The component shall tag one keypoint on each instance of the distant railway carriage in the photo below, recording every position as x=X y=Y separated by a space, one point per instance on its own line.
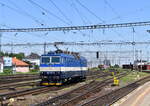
x=58 y=67
x=127 y=66
x=144 y=68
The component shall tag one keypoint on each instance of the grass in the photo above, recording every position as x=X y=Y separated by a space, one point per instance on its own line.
x=133 y=76
x=101 y=79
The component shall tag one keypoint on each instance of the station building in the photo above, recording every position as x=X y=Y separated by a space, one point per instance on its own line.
x=13 y=64
x=19 y=66
x=1 y=64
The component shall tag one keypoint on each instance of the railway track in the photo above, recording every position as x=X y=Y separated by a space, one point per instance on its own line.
x=73 y=97
x=18 y=78
x=25 y=82
x=110 y=98
x=27 y=77
x=37 y=90
x=20 y=84
x=5 y=79
x=33 y=91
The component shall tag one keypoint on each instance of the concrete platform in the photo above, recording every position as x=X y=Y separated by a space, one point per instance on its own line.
x=139 y=97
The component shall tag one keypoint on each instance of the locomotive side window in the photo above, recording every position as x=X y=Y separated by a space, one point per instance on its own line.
x=55 y=59
x=45 y=60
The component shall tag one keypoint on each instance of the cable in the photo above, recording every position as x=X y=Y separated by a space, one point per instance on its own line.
x=118 y=16
x=95 y=15
x=8 y=38
x=15 y=11
x=22 y=13
x=19 y=12
x=73 y=5
x=130 y=13
x=47 y=11
x=90 y=11
x=70 y=22
x=36 y=35
x=113 y=10
x=26 y=13
x=52 y=14
x=63 y=14
x=32 y=17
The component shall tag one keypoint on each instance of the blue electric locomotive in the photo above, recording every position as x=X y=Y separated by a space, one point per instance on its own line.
x=59 y=67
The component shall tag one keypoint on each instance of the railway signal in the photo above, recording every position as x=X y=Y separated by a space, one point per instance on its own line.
x=97 y=55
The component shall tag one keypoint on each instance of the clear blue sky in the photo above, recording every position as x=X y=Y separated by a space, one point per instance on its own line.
x=24 y=13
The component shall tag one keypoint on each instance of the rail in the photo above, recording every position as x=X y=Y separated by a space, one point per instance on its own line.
x=78 y=94
x=112 y=97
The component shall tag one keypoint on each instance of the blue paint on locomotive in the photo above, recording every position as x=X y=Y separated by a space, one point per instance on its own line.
x=69 y=66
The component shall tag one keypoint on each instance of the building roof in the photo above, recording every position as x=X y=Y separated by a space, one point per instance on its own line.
x=18 y=62
x=33 y=56
x=1 y=59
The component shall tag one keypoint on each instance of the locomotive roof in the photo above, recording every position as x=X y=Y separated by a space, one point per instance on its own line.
x=71 y=55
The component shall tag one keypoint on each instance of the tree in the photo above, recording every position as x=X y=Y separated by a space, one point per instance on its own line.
x=17 y=55
x=116 y=66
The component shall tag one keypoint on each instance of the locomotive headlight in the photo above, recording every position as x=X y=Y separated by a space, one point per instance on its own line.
x=44 y=76
x=57 y=77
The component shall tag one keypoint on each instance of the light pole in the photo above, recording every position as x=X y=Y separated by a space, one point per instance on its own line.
x=0 y=42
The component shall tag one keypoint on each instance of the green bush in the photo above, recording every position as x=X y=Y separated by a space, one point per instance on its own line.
x=7 y=71
x=34 y=70
x=36 y=67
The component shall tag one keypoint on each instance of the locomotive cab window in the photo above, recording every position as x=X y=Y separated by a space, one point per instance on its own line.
x=55 y=59
x=45 y=60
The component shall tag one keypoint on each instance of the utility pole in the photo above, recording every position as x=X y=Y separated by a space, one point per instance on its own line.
x=0 y=42
x=11 y=47
x=141 y=59
x=133 y=44
x=147 y=56
x=45 y=48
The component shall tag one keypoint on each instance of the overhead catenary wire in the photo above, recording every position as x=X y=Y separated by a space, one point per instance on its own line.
x=74 y=6
x=70 y=22
x=30 y=16
x=21 y=13
x=84 y=19
x=36 y=35
x=113 y=10
x=18 y=10
x=116 y=13
x=129 y=13
x=37 y=5
x=63 y=14
x=49 y=12
x=90 y=11
x=8 y=38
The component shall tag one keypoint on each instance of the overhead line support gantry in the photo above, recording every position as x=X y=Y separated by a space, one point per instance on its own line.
x=77 y=43
x=77 y=27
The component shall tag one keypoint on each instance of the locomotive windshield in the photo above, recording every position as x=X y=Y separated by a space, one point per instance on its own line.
x=45 y=60
x=55 y=59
